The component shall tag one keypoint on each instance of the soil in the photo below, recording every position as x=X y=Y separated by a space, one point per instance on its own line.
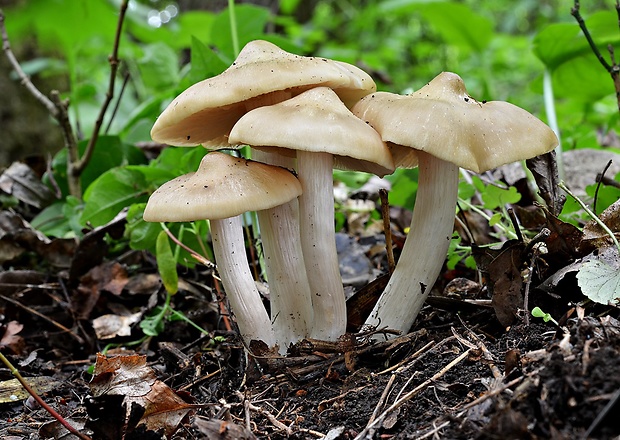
x=474 y=366
x=458 y=375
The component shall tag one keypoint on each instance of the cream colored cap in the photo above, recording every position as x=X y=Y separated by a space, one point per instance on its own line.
x=205 y=112
x=223 y=186
x=443 y=120
x=317 y=121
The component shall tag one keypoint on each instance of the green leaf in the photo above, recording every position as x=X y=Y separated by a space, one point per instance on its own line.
x=565 y=51
x=457 y=23
x=495 y=219
x=599 y=277
x=251 y=22
x=159 y=67
x=142 y=235
x=59 y=219
x=560 y=43
x=166 y=264
x=153 y=325
x=494 y=197
x=404 y=187
x=109 y=152
x=205 y=62
x=112 y=191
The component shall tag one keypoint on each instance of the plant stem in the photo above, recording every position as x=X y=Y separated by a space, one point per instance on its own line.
x=39 y=400
x=233 y=26
x=591 y=214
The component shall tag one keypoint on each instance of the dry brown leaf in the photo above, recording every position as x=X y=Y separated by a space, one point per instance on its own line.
x=10 y=339
x=129 y=376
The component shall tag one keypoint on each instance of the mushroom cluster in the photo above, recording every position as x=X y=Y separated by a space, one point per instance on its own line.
x=311 y=115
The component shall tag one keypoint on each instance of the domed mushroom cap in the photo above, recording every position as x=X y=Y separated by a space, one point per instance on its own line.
x=206 y=111
x=443 y=120
x=316 y=121
x=222 y=187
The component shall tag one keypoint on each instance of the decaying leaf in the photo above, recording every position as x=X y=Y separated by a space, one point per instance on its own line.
x=594 y=235
x=13 y=391
x=130 y=377
x=25 y=185
x=111 y=326
x=503 y=270
x=544 y=168
x=10 y=338
x=213 y=429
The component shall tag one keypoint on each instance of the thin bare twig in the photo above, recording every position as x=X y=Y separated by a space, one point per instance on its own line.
x=387 y=228
x=15 y=372
x=613 y=68
x=408 y=396
x=78 y=167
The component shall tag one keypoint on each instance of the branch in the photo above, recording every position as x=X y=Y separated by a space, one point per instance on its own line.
x=613 y=69
x=582 y=25
x=79 y=166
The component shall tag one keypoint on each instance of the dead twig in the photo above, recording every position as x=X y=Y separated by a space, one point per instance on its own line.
x=40 y=401
x=408 y=396
x=613 y=68
x=77 y=337
x=387 y=228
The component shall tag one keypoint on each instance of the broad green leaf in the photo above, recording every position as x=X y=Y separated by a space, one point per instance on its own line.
x=457 y=23
x=205 y=62
x=59 y=219
x=142 y=235
x=166 y=264
x=495 y=197
x=599 y=278
x=251 y=23
x=565 y=51
x=112 y=191
x=109 y=152
x=159 y=67
x=559 y=43
x=404 y=187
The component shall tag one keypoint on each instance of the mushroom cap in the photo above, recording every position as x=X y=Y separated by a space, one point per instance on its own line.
x=316 y=121
x=205 y=112
x=224 y=186
x=443 y=120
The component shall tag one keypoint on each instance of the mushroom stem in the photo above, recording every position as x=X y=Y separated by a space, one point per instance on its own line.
x=241 y=291
x=318 y=242
x=425 y=248
x=291 y=304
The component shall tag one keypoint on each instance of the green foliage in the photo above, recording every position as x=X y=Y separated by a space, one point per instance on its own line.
x=538 y=313
x=167 y=264
x=403 y=43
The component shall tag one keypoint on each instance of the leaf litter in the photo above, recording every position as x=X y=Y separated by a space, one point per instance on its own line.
x=470 y=368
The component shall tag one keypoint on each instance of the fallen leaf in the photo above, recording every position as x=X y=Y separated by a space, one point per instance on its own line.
x=111 y=326
x=130 y=377
x=544 y=168
x=13 y=391
x=213 y=429
x=10 y=338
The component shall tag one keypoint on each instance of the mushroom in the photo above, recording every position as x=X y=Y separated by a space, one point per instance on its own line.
x=220 y=190
x=318 y=127
x=447 y=128
x=262 y=74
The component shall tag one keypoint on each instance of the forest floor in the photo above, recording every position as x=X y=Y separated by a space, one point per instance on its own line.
x=474 y=366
